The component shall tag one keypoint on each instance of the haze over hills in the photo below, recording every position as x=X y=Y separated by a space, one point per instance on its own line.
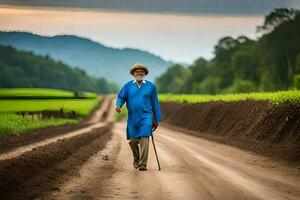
x=96 y=59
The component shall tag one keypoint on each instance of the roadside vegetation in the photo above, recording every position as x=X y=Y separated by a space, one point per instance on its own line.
x=290 y=96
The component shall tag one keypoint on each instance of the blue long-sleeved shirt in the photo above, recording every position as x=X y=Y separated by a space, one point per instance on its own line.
x=140 y=102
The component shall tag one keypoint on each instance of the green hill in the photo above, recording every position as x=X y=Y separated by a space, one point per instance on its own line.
x=27 y=70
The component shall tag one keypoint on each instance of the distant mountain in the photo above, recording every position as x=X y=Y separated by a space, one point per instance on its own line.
x=96 y=59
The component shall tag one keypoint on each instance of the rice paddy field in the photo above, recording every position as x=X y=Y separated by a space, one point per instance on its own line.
x=278 y=97
x=81 y=106
x=16 y=124
x=36 y=93
x=39 y=99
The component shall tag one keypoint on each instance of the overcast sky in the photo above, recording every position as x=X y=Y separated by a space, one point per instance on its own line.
x=180 y=30
x=177 y=6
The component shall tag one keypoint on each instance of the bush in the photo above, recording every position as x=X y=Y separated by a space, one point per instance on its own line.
x=240 y=85
x=296 y=81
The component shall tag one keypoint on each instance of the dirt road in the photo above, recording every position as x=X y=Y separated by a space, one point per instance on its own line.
x=192 y=168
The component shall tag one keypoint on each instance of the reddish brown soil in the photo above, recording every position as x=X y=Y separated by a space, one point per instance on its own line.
x=45 y=167
x=259 y=126
x=13 y=141
x=39 y=170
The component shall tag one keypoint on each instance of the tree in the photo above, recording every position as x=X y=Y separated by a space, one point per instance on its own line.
x=197 y=73
x=172 y=79
x=245 y=66
x=272 y=62
x=281 y=47
x=276 y=18
x=210 y=85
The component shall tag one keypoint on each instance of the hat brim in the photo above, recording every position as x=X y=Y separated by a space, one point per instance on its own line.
x=144 y=68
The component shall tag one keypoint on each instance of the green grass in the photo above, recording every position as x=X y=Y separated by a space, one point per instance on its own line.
x=16 y=124
x=43 y=93
x=290 y=96
x=34 y=92
x=90 y=94
x=37 y=99
x=81 y=106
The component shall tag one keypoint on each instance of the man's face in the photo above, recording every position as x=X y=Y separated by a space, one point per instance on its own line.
x=139 y=74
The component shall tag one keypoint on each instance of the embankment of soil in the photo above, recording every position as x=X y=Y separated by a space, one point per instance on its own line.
x=259 y=126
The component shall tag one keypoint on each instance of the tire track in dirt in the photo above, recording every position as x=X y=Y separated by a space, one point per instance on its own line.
x=19 y=151
x=192 y=168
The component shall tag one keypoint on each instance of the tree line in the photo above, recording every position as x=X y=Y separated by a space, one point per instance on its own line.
x=270 y=63
x=27 y=70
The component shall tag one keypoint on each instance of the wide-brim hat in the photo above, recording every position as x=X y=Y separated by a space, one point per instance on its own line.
x=139 y=66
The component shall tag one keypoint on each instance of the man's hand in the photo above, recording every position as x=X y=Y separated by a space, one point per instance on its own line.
x=118 y=109
x=154 y=125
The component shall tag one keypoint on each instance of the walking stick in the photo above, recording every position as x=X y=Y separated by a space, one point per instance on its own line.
x=155 y=148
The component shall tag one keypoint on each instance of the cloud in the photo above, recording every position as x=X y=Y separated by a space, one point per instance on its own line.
x=162 y=6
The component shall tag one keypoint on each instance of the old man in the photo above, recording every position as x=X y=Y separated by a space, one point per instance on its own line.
x=143 y=113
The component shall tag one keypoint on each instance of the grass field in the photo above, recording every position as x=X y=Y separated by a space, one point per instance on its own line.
x=17 y=124
x=40 y=99
x=37 y=99
x=290 y=96
x=43 y=93
x=81 y=106
x=34 y=92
